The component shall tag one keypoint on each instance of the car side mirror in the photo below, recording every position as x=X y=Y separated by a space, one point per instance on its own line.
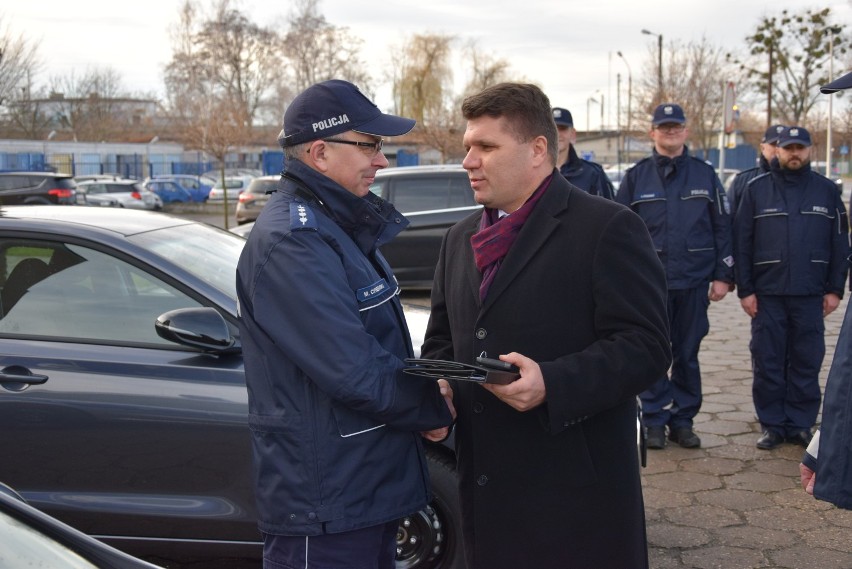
x=203 y=328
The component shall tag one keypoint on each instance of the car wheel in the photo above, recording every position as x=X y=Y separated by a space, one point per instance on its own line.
x=431 y=538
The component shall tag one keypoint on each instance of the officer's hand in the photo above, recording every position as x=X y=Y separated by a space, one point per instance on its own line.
x=829 y=303
x=525 y=393
x=437 y=435
x=718 y=290
x=808 y=478
x=749 y=304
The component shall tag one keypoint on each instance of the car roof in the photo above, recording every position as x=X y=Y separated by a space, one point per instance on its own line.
x=113 y=181
x=428 y=169
x=95 y=219
x=46 y=174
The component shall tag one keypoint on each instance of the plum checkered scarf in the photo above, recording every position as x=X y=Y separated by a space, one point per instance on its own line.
x=496 y=236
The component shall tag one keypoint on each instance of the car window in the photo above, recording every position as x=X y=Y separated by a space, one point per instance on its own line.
x=25 y=546
x=93 y=189
x=14 y=182
x=74 y=293
x=123 y=188
x=423 y=193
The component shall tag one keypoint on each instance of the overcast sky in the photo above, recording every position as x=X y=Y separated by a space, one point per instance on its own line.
x=568 y=47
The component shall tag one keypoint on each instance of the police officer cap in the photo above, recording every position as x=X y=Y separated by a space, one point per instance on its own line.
x=336 y=106
x=562 y=117
x=773 y=133
x=844 y=82
x=794 y=135
x=668 y=113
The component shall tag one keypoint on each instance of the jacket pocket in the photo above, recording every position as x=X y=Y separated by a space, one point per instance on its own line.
x=766 y=257
x=820 y=256
x=351 y=423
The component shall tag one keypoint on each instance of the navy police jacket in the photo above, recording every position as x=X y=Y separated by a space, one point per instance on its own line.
x=791 y=235
x=586 y=175
x=735 y=193
x=687 y=217
x=335 y=425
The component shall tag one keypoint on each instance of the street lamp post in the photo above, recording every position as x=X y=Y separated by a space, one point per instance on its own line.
x=44 y=150
x=659 y=63
x=592 y=99
x=629 y=93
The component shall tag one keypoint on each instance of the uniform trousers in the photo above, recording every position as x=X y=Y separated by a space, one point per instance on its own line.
x=367 y=548
x=675 y=400
x=787 y=349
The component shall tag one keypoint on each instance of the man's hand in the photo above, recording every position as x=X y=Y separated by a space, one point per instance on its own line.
x=436 y=435
x=829 y=303
x=808 y=478
x=749 y=304
x=718 y=290
x=525 y=393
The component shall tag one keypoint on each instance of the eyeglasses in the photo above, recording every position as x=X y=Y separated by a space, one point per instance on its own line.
x=376 y=146
x=670 y=127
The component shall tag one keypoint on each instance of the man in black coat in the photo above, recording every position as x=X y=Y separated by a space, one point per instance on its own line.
x=566 y=286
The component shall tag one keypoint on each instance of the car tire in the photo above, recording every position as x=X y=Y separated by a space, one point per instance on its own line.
x=431 y=538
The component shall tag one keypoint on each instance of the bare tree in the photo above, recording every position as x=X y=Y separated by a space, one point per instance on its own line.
x=318 y=51
x=19 y=61
x=787 y=61
x=91 y=105
x=694 y=77
x=485 y=69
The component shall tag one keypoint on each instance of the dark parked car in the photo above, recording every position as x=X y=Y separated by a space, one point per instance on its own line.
x=433 y=198
x=30 y=188
x=123 y=404
x=30 y=538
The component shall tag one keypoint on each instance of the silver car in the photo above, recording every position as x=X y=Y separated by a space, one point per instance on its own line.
x=118 y=193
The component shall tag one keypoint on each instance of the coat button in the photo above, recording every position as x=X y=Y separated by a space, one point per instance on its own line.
x=481 y=334
x=312 y=516
x=478 y=407
x=482 y=480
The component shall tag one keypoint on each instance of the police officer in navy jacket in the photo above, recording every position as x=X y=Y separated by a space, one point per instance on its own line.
x=767 y=152
x=584 y=174
x=790 y=244
x=336 y=427
x=684 y=206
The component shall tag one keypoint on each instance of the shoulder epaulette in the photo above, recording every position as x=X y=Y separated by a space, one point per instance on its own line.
x=301 y=217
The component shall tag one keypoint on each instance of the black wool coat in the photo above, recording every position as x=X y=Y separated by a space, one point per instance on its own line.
x=583 y=293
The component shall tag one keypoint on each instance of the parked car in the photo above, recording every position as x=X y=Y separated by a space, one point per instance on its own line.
x=118 y=193
x=123 y=398
x=31 y=538
x=97 y=177
x=29 y=188
x=255 y=196
x=235 y=185
x=433 y=198
x=198 y=187
x=169 y=191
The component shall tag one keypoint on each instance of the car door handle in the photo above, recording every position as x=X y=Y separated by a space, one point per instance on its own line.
x=17 y=378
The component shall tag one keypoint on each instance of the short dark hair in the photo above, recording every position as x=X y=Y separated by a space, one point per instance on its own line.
x=525 y=106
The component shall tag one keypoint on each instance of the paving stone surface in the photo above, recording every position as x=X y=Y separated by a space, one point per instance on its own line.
x=729 y=505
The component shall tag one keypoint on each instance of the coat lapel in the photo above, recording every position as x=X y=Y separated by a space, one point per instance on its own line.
x=538 y=227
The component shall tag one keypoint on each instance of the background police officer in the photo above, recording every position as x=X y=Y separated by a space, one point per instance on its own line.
x=584 y=174
x=767 y=152
x=791 y=242
x=684 y=206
